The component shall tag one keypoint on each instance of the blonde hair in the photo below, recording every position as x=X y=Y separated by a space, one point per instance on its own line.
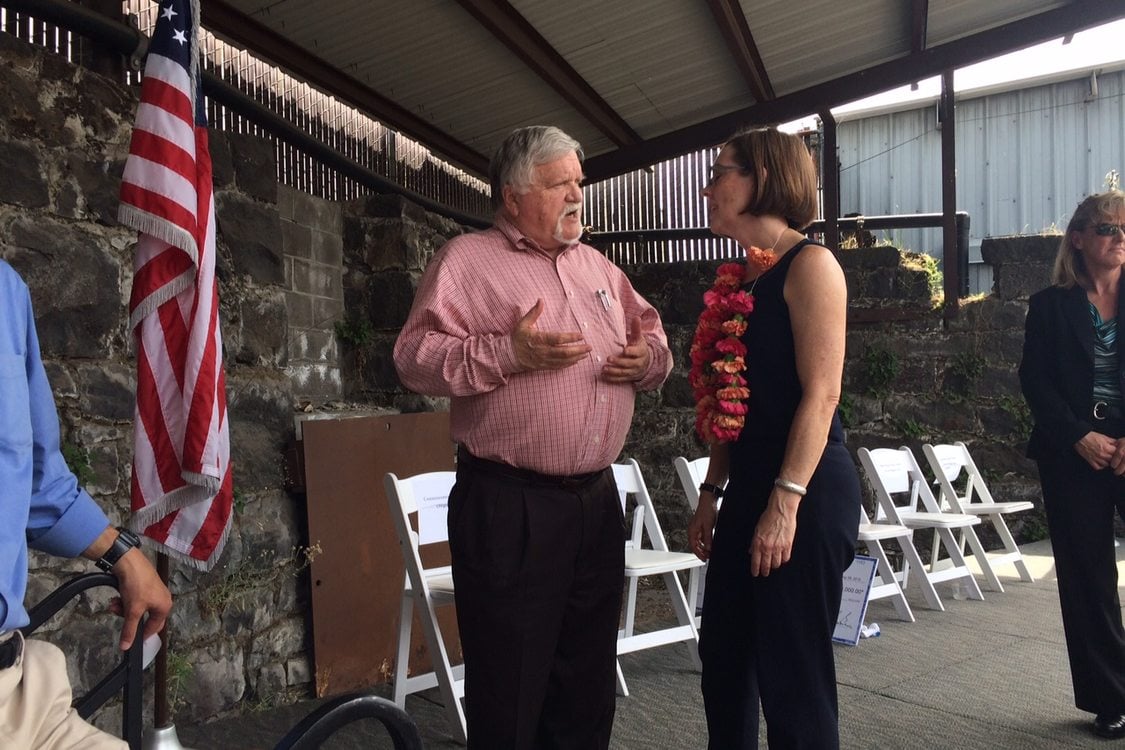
x=783 y=171
x=1070 y=268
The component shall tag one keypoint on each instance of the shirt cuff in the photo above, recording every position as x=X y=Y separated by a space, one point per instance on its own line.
x=506 y=355
x=75 y=530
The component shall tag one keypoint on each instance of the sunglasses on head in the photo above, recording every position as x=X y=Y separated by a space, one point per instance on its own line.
x=1107 y=230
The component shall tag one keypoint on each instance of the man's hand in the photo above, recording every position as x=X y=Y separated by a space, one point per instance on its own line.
x=142 y=592
x=632 y=364
x=542 y=350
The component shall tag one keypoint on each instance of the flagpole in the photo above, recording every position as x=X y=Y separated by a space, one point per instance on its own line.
x=161 y=710
x=163 y=734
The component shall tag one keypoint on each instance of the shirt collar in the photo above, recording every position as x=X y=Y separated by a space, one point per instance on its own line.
x=521 y=241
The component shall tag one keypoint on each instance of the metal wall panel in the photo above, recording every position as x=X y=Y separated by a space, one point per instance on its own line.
x=1025 y=159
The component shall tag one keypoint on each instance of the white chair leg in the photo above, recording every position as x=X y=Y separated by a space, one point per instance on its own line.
x=959 y=562
x=622 y=688
x=684 y=613
x=887 y=576
x=911 y=556
x=439 y=656
x=990 y=577
x=631 y=608
x=402 y=654
x=1010 y=547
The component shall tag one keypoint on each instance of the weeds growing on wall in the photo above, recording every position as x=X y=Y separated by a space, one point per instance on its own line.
x=1016 y=408
x=880 y=368
x=928 y=265
x=255 y=573
x=78 y=459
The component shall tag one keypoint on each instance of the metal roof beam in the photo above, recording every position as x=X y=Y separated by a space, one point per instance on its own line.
x=513 y=30
x=225 y=21
x=918 y=21
x=1075 y=16
x=736 y=32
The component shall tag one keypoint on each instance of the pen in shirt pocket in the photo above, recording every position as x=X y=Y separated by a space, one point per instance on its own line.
x=602 y=295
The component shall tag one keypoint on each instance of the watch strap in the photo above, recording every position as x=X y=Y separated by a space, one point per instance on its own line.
x=125 y=541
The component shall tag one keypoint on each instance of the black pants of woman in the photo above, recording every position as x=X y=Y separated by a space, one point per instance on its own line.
x=1080 y=504
x=769 y=639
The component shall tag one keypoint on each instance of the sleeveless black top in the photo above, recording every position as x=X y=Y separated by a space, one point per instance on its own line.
x=771 y=362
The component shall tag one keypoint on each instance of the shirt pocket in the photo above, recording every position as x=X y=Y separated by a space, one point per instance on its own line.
x=15 y=410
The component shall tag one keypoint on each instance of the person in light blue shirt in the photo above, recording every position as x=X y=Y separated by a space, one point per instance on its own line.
x=42 y=507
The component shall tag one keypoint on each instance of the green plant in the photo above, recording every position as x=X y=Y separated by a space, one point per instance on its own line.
x=928 y=265
x=239 y=500
x=1032 y=529
x=846 y=407
x=78 y=459
x=180 y=670
x=256 y=572
x=355 y=333
x=880 y=368
x=1017 y=409
x=964 y=372
x=911 y=428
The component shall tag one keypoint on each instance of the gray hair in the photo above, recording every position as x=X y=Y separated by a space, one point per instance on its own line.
x=522 y=151
x=1070 y=268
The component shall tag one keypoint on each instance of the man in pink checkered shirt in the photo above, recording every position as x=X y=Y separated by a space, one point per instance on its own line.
x=540 y=343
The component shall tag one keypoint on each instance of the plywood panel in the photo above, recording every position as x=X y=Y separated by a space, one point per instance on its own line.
x=357 y=577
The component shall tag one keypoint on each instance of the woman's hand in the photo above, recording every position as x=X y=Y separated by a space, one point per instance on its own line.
x=702 y=526
x=773 y=536
x=1098 y=450
x=1117 y=460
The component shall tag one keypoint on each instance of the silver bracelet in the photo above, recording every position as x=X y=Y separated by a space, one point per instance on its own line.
x=785 y=484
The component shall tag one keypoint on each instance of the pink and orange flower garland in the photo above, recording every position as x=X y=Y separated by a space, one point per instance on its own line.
x=718 y=356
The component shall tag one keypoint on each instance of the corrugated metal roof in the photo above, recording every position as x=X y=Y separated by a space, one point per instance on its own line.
x=662 y=69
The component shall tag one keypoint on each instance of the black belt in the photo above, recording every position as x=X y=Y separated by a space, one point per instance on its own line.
x=1102 y=410
x=525 y=476
x=10 y=651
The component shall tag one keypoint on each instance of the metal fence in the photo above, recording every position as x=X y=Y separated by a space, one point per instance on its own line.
x=362 y=139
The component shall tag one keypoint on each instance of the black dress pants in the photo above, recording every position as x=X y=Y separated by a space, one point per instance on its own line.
x=1080 y=504
x=768 y=639
x=538 y=570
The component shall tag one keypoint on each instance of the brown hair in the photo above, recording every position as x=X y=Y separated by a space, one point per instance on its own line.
x=1070 y=268
x=783 y=171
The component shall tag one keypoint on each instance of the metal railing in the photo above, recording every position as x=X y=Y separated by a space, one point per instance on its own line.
x=313 y=125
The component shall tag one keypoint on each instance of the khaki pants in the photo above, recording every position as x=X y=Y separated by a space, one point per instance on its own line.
x=35 y=712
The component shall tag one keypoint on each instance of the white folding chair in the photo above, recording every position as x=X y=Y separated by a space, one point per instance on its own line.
x=425 y=589
x=952 y=466
x=648 y=561
x=888 y=581
x=691 y=474
x=904 y=498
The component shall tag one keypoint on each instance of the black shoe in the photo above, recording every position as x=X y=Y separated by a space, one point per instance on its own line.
x=1110 y=726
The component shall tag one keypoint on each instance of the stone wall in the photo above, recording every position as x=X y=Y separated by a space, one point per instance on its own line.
x=313 y=295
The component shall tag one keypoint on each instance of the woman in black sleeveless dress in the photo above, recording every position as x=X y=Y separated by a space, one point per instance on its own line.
x=790 y=512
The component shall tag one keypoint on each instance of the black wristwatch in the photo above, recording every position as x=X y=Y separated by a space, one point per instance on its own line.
x=125 y=541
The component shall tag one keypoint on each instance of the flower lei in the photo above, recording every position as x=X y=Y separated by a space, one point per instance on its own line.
x=718 y=356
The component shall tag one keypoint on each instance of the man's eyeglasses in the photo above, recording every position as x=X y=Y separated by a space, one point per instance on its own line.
x=718 y=170
x=1108 y=230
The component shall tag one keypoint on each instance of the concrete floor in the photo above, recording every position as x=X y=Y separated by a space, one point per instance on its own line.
x=981 y=675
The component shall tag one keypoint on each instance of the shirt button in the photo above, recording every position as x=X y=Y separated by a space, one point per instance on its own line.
x=598 y=358
x=570 y=294
x=601 y=398
x=597 y=439
x=585 y=325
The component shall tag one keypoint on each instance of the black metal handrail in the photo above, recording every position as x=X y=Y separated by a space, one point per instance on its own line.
x=125 y=678
x=603 y=240
x=315 y=728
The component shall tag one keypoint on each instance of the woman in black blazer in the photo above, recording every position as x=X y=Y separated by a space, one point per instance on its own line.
x=1073 y=379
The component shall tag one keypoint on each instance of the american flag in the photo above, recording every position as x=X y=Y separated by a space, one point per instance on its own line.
x=181 y=488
